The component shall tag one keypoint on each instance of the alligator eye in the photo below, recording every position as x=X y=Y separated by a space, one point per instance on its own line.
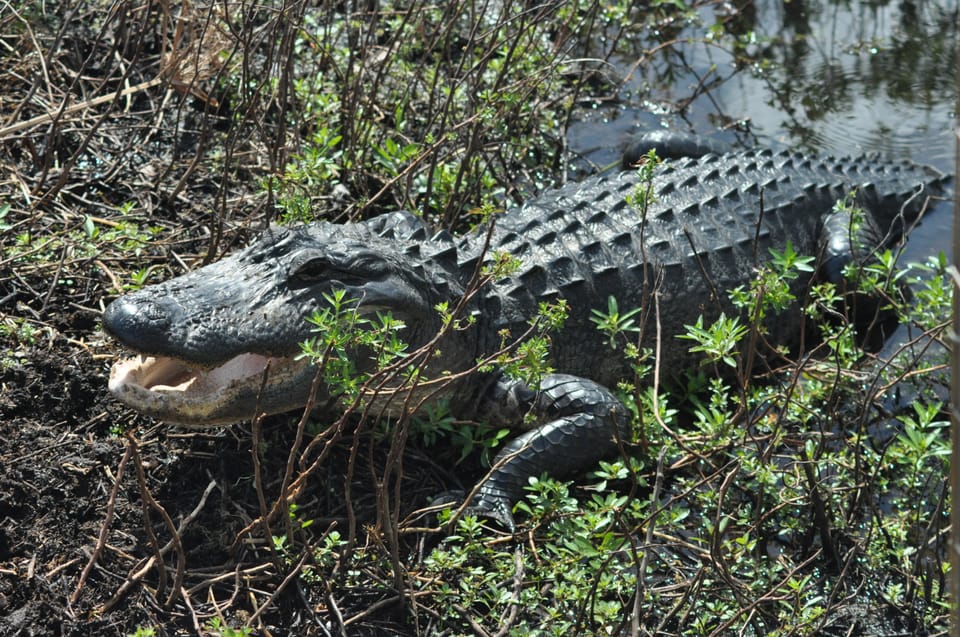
x=369 y=267
x=322 y=268
x=312 y=270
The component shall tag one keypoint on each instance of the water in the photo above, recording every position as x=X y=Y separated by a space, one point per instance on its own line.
x=839 y=78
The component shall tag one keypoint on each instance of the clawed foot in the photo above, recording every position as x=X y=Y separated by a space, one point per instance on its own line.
x=497 y=510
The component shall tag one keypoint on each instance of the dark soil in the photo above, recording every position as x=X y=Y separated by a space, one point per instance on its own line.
x=80 y=530
x=61 y=462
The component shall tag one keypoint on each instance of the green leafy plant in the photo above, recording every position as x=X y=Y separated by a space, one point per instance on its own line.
x=719 y=341
x=342 y=332
x=216 y=627
x=613 y=323
x=528 y=359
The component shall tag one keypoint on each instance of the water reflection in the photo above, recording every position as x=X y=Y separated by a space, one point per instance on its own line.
x=829 y=76
x=834 y=77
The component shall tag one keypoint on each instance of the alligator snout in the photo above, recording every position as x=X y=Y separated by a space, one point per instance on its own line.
x=141 y=323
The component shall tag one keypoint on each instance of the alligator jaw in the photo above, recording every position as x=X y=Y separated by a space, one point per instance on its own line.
x=172 y=391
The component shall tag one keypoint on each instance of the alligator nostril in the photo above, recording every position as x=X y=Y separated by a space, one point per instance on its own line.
x=140 y=322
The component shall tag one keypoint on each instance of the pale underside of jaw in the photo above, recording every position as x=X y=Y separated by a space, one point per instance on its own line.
x=174 y=391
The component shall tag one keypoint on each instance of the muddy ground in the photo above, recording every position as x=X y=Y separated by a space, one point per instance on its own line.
x=61 y=460
x=85 y=508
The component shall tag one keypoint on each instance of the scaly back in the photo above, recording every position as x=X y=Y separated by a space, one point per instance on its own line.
x=711 y=221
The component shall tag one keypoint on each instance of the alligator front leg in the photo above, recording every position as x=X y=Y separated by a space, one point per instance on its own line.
x=577 y=423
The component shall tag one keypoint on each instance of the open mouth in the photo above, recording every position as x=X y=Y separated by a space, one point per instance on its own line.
x=174 y=391
x=161 y=374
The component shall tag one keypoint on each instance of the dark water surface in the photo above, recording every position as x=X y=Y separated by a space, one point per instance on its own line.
x=839 y=78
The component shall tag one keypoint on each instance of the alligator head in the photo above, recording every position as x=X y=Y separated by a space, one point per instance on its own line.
x=221 y=344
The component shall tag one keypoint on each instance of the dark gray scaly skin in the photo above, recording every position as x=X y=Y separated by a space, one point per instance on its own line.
x=712 y=219
x=669 y=144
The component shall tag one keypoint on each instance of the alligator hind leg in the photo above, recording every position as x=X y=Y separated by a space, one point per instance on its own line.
x=847 y=236
x=579 y=423
x=850 y=236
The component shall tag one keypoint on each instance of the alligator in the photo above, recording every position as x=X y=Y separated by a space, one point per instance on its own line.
x=220 y=344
